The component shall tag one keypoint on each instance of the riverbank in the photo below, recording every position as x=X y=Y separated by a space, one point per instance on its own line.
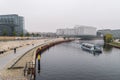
x=17 y=72
x=115 y=44
x=8 y=58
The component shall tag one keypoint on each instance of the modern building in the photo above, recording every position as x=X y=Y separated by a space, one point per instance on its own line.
x=77 y=31
x=85 y=30
x=115 y=33
x=11 y=25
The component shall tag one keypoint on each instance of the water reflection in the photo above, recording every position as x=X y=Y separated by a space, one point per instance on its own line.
x=38 y=66
x=96 y=53
x=93 y=53
x=107 y=48
x=38 y=62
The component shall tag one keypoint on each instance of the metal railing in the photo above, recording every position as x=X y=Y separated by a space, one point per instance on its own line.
x=29 y=70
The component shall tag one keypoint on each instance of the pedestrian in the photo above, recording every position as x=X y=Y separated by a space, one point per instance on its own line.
x=33 y=44
x=14 y=50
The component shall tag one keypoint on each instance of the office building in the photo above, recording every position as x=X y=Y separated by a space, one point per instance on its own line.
x=77 y=31
x=11 y=25
x=85 y=30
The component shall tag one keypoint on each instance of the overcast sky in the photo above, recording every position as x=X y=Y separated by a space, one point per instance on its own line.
x=49 y=15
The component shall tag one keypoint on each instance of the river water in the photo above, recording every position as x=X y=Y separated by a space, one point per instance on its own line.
x=67 y=61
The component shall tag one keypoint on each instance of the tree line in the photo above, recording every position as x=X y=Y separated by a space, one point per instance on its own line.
x=4 y=33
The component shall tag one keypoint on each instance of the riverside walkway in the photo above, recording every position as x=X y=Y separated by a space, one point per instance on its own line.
x=12 y=64
x=9 y=58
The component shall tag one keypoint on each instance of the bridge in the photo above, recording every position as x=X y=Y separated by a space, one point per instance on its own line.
x=85 y=37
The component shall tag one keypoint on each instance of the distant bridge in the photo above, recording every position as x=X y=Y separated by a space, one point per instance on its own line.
x=87 y=37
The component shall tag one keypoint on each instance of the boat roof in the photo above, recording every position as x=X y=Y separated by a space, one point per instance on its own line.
x=88 y=44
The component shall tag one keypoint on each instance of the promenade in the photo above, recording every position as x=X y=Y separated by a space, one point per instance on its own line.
x=8 y=58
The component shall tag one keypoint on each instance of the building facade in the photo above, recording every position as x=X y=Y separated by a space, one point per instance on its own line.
x=77 y=31
x=11 y=25
x=85 y=30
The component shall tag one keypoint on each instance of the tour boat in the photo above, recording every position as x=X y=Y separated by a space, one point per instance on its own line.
x=91 y=47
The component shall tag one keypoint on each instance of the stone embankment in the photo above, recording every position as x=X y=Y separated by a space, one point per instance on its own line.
x=17 y=72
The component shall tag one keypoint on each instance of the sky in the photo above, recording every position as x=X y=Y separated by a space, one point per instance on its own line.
x=49 y=15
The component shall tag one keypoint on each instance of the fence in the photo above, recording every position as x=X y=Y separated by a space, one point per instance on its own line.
x=29 y=71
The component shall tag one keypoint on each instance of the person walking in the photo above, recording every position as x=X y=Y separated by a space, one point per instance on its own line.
x=14 y=50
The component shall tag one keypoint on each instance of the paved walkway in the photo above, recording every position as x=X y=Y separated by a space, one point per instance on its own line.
x=7 y=59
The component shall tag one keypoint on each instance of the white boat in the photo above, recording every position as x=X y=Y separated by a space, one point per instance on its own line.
x=91 y=47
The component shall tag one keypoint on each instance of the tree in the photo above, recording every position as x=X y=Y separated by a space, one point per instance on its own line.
x=21 y=34
x=108 y=38
x=33 y=34
x=14 y=33
x=27 y=34
x=4 y=33
x=38 y=35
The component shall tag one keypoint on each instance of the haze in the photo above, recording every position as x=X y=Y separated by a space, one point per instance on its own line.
x=49 y=15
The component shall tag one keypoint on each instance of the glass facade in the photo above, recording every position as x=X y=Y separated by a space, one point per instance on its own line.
x=11 y=23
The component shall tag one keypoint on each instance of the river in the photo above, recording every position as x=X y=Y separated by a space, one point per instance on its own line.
x=67 y=61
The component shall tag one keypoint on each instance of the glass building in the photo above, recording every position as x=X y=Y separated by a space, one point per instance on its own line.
x=11 y=25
